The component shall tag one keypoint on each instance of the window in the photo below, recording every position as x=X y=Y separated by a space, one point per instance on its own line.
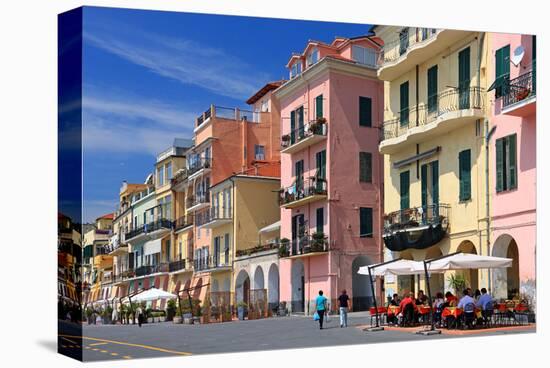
x=365 y=167
x=299 y=173
x=430 y=184
x=264 y=106
x=313 y=57
x=321 y=164
x=506 y=163
x=259 y=152
x=432 y=89
x=319 y=106
x=502 y=70
x=464 y=79
x=464 y=175
x=404 y=187
x=160 y=176
x=295 y=69
x=320 y=219
x=404 y=104
x=363 y=55
x=365 y=111
x=297 y=133
x=365 y=222
x=169 y=171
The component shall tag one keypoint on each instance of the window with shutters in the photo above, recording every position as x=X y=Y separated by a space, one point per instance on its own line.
x=321 y=164
x=502 y=70
x=297 y=130
x=404 y=104
x=365 y=111
x=320 y=219
x=404 y=188
x=319 y=106
x=365 y=167
x=432 y=89
x=465 y=175
x=365 y=222
x=506 y=163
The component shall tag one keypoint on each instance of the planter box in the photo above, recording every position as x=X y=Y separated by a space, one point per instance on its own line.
x=150 y=320
x=177 y=320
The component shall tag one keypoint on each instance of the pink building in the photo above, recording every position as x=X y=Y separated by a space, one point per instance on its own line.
x=331 y=172
x=513 y=161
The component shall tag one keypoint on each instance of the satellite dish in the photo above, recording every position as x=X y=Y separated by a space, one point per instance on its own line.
x=519 y=52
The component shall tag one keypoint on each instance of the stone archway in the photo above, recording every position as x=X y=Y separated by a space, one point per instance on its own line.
x=297 y=286
x=273 y=287
x=242 y=287
x=259 y=278
x=471 y=276
x=505 y=281
x=361 y=294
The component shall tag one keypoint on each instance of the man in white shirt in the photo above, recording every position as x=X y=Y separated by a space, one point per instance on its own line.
x=466 y=299
x=485 y=301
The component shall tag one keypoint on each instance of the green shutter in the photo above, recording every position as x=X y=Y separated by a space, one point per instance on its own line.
x=464 y=164
x=365 y=167
x=432 y=89
x=512 y=165
x=500 y=165
x=464 y=78
x=404 y=187
x=502 y=70
x=424 y=185
x=365 y=222
x=320 y=219
x=319 y=106
x=435 y=181
x=321 y=164
x=404 y=104
x=365 y=111
x=292 y=126
x=301 y=122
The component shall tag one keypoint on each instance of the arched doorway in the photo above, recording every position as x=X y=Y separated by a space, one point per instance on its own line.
x=259 y=278
x=298 y=286
x=471 y=275
x=273 y=287
x=361 y=285
x=506 y=280
x=437 y=280
x=242 y=287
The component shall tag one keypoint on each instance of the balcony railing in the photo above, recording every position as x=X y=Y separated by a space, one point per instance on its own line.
x=177 y=265
x=201 y=198
x=316 y=243
x=313 y=128
x=258 y=248
x=150 y=227
x=221 y=260
x=183 y=222
x=214 y=214
x=416 y=217
x=180 y=176
x=302 y=189
x=412 y=37
x=437 y=106
x=521 y=88
x=200 y=164
x=230 y=113
x=151 y=269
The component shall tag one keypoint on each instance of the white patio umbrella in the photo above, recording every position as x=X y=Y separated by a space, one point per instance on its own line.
x=400 y=267
x=462 y=261
x=153 y=294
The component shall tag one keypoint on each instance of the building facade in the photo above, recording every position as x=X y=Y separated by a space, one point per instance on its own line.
x=331 y=172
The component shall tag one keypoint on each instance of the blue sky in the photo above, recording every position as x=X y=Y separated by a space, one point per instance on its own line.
x=148 y=74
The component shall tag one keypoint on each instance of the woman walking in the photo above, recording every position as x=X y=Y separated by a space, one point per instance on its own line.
x=320 y=307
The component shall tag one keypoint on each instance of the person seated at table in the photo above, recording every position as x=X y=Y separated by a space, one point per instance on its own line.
x=395 y=300
x=450 y=299
x=469 y=290
x=407 y=300
x=422 y=298
x=439 y=304
x=477 y=294
x=465 y=300
x=486 y=304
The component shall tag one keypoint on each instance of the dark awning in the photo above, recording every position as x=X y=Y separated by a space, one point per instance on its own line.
x=420 y=156
x=502 y=81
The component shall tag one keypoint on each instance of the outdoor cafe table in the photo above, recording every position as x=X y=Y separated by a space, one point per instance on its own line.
x=393 y=310
x=457 y=312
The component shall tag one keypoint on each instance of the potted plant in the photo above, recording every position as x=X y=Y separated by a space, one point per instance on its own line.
x=283 y=247
x=89 y=313
x=318 y=241
x=285 y=138
x=106 y=315
x=171 y=309
x=457 y=282
x=241 y=310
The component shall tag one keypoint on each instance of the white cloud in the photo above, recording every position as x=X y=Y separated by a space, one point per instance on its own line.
x=183 y=60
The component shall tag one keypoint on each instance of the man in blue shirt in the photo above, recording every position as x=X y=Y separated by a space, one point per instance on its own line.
x=320 y=307
x=485 y=301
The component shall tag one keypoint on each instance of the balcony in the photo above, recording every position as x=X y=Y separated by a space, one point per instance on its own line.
x=229 y=114
x=198 y=202
x=152 y=230
x=413 y=46
x=179 y=266
x=257 y=249
x=184 y=223
x=303 y=192
x=444 y=112
x=179 y=180
x=305 y=246
x=199 y=167
x=416 y=228
x=521 y=96
x=151 y=269
x=303 y=137
x=216 y=216
x=214 y=263
x=116 y=246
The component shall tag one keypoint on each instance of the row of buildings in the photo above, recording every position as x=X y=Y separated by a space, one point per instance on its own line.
x=407 y=142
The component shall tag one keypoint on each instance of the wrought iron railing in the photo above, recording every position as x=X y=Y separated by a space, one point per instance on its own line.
x=455 y=99
x=305 y=244
x=230 y=113
x=315 y=127
x=199 y=164
x=179 y=177
x=415 y=217
x=215 y=213
x=184 y=222
x=393 y=50
x=302 y=189
x=199 y=198
x=521 y=88
x=177 y=265
x=150 y=269
x=150 y=227
x=222 y=259
x=259 y=248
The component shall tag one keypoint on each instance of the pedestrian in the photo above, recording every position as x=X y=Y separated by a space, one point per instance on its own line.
x=343 y=301
x=320 y=307
x=139 y=313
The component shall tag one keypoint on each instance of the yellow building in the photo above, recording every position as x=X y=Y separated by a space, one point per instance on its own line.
x=433 y=142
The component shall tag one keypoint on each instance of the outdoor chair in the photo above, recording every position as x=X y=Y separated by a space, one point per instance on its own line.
x=382 y=315
x=408 y=316
x=487 y=315
x=469 y=315
x=521 y=312
x=437 y=314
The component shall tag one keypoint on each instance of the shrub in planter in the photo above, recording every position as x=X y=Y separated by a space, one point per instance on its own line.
x=283 y=247
x=170 y=310
x=241 y=310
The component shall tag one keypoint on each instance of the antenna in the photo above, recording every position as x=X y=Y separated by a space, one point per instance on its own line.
x=519 y=52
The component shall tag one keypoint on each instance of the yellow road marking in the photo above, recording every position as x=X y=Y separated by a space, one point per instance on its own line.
x=63 y=346
x=104 y=351
x=131 y=344
x=95 y=349
x=71 y=341
x=87 y=347
x=99 y=343
x=114 y=354
x=127 y=357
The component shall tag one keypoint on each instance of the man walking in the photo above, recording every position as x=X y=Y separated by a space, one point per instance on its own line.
x=343 y=301
x=320 y=307
x=139 y=313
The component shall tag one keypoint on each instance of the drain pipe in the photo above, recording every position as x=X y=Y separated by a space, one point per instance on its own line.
x=488 y=195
